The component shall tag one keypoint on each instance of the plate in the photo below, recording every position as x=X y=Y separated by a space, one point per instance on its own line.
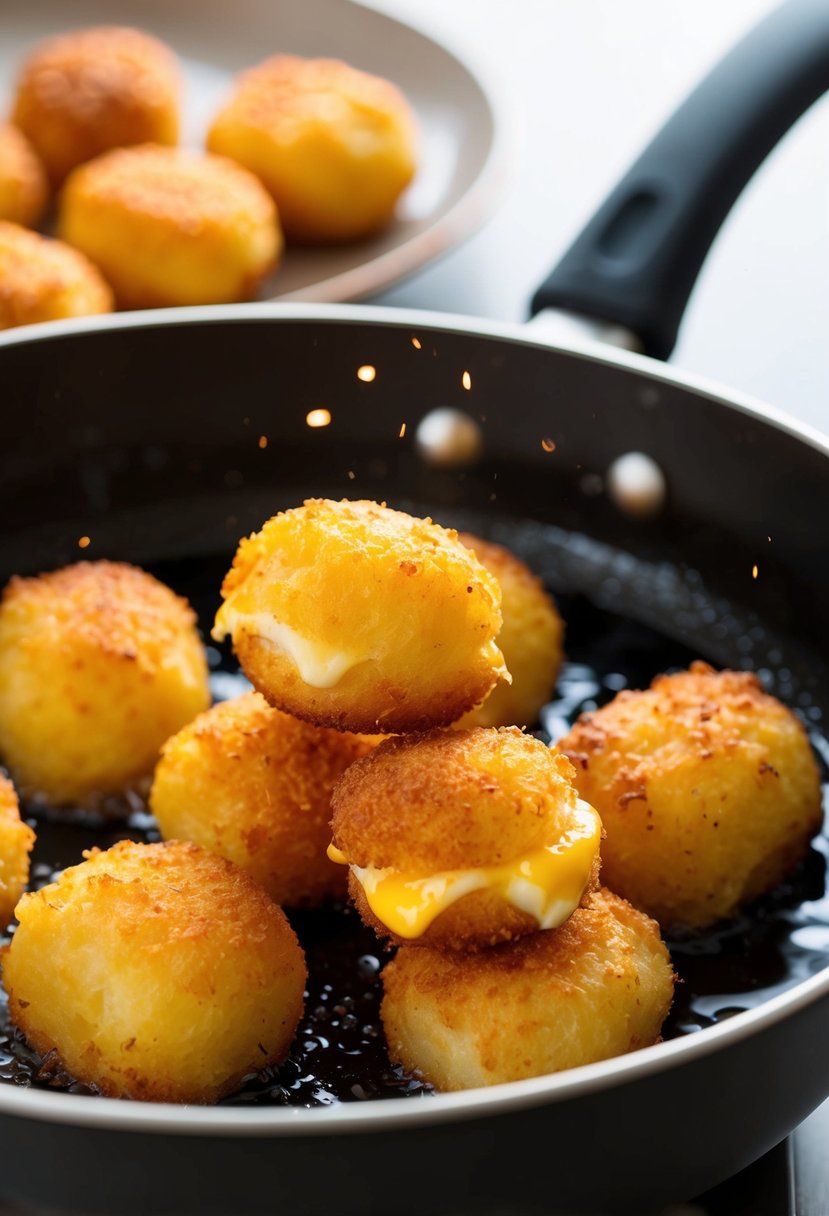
x=462 y=159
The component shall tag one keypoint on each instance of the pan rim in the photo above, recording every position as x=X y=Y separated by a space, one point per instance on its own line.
x=514 y=333
x=385 y=1115
x=159 y=1118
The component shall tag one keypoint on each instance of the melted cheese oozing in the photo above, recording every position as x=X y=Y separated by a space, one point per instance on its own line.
x=548 y=884
x=319 y=666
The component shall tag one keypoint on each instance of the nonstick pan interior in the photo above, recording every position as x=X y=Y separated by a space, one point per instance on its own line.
x=148 y=441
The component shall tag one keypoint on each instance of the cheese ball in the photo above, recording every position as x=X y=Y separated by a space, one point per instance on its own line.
x=159 y=972
x=335 y=146
x=44 y=280
x=351 y=615
x=23 y=185
x=99 y=664
x=707 y=789
x=84 y=92
x=168 y=226
x=464 y=838
x=530 y=640
x=598 y=987
x=254 y=785
x=16 y=842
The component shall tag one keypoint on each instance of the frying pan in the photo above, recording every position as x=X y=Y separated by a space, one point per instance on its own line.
x=143 y=433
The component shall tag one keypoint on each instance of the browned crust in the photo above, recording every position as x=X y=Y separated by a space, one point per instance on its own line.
x=447 y=800
x=84 y=92
x=114 y=607
x=23 y=186
x=46 y=280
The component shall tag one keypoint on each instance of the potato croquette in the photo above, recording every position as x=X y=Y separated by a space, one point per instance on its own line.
x=169 y=226
x=82 y=93
x=16 y=841
x=599 y=986
x=335 y=146
x=254 y=785
x=23 y=186
x=707 y=789
x=99 y=664
x=460 y=839
x=44 y=280
x=159 y=972
x=530 y=640
x=351 y=615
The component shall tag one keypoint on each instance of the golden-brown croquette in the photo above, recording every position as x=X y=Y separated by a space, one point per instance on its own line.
x=463 y=838
x=530 y=640
x=159 y=972
x=45 y=280
x=84 y=92
x=254 y=785
x=335 y=146
x=598 y=987
x=16 y=842
x=169 y=226
x=351 y=615
x=707 y=789
x=99 y=664
x=23 y=186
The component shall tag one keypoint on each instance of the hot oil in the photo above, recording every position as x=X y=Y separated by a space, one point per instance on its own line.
x=339 y=1053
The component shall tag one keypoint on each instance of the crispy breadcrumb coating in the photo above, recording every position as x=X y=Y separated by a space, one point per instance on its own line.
x=159 y=972
x=99 y=664
x=169 y=226
x=45 y=280
x=707 y=789
x=599 y=986
x=23 y=186
x=16 y=842
x=355 y=616
x=254 y=785
x=335 y=146
x=425 y=805
x=84 y=92
x=530 y=640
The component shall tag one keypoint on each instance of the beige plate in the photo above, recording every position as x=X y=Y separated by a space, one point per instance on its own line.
x=462 y=161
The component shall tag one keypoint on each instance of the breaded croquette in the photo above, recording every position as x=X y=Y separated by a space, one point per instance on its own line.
x=460 y=839
x=16 y=841
x=351 y=615
x=335 y=146
x=23 y=186
x=45 y=280
x=99 y=664
x=530 y=640
x=159 y=972
x=599 y=986
x=707 y=789
x=254 y=785
x=84 y=92
x=169 y=226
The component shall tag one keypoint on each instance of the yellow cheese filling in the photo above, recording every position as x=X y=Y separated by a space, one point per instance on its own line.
x=548 y=884
x=319 y=666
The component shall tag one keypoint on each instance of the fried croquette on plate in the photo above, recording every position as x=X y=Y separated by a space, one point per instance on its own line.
x=159 y=972
x=16 y=842
x=460 y=839
x=45 y=280
x=599 y=986
x=707 y=789
x=84 y=92
x=351 y=615
x=530 y=640
x=23 y=185
x=254 y=785
x=99 y=664
x=334 y=146
x=170 y=226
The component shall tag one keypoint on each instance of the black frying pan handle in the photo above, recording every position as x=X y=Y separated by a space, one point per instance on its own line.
x=638 y=259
